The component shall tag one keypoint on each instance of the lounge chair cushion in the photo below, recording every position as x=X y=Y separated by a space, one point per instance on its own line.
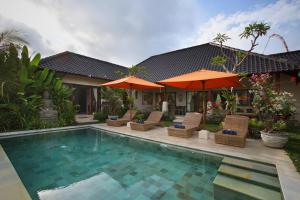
x=140 y=121
x=114 y=117
x=179 y=126
x=229 y=132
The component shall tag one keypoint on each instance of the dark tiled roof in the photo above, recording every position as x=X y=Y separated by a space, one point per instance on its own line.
x=292 y=56
x=77 y=64
x=194 y=58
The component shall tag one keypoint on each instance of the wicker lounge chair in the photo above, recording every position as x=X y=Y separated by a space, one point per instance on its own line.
x=153 y=120
x=122 y=121
x=191 y=122
x=237 y=123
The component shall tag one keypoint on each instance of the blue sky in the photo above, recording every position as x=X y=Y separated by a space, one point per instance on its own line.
x=128 y=31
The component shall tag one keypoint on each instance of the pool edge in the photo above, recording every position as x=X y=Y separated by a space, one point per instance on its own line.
x=288 y=182
x=11 y=186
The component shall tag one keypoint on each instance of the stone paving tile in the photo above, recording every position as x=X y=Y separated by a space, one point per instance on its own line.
x=254 y=150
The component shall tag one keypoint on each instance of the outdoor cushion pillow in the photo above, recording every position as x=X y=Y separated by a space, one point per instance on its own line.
x=229 y=132
x=114 y=117
x=140 y=121
x=179 y=126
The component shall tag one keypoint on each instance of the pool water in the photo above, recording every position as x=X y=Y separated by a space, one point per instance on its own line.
x=93 y=164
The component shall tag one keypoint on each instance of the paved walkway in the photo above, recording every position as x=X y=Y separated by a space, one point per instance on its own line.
x=288 y=176
x=85 y=119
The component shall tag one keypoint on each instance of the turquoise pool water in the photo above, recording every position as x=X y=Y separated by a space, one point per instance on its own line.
x=92 y=164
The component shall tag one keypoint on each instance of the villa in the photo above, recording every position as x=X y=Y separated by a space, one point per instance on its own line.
x=127 y=158
x=85 y=74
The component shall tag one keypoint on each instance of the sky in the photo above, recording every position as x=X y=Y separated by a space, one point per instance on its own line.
x=127 y=32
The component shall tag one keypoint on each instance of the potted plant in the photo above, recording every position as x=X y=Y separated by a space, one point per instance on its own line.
x=255 y=126
x=273 y=107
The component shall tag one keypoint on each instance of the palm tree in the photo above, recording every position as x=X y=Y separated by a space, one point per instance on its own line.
x=11 y=37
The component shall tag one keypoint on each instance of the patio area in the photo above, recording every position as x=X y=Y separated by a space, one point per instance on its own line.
x=254 y=150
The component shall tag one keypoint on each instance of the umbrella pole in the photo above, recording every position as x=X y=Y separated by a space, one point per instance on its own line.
x=204 y=102
x=130 y=105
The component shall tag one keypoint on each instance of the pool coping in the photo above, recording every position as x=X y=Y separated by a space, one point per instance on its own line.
x=11 y=186
x=289 y=181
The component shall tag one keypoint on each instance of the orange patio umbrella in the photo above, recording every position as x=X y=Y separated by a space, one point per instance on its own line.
x=202 y=80
x=132 y=82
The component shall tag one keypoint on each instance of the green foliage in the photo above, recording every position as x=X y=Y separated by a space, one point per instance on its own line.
x=113 y=100
x=221 y=38
x=255 y=30
x=167 y=123
x=279 y=125
x=132 y=71
x=216 y=117
x=100 y=116
x=230 y=100
x=219 y=60
x=272 y=106
x=142 y=115
x=254 y=123
x=240 y=55
x=212 y=127
x=255 y=126
x=293 y=150
x=252 y=32
x=167 y=117
x=22 y=87
x=9 y=67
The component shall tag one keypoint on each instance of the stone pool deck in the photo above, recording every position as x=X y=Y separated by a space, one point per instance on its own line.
x=288 y=176
x=12 y=188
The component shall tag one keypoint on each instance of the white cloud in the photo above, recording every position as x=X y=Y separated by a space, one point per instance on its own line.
x=127 y=32
x=123 y=32
x=283 y=16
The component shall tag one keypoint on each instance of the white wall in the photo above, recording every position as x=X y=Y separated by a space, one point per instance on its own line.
x=81 y=80
x=138 y=102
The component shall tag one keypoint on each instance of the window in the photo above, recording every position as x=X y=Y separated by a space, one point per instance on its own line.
x=147 y=98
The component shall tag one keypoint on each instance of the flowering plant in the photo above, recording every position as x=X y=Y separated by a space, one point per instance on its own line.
x=271 y=105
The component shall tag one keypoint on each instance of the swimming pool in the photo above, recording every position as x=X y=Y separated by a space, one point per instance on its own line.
x=94 y=164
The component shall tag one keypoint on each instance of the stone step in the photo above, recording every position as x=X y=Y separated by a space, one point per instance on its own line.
x=250 y=176
x=253 y=166
x=226 y=187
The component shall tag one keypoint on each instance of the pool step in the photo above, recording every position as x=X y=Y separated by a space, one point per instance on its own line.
x=253 y=166
x=250 y=176
x=226 y=187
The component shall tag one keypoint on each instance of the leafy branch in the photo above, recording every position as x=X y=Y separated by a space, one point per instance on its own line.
x=132 y=71
x=253 y=31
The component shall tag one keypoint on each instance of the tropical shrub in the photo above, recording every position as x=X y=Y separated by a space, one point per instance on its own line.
x=100 y=116
x=230 y=100
x=113 y=100
x=255 y=126
x=142 y=115
x=217 y=116
x=168 y=118
x=274 y=107
x=22 y=86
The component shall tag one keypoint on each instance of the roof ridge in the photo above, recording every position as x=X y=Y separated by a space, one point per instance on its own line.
x=169 y=52
x=77 y=54
x=274 y=54
x=182 y=49
x=97 y=59
x=224 y=46
x=254 y=53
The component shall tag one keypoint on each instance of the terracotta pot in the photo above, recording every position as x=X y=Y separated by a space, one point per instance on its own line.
x=274 y=140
